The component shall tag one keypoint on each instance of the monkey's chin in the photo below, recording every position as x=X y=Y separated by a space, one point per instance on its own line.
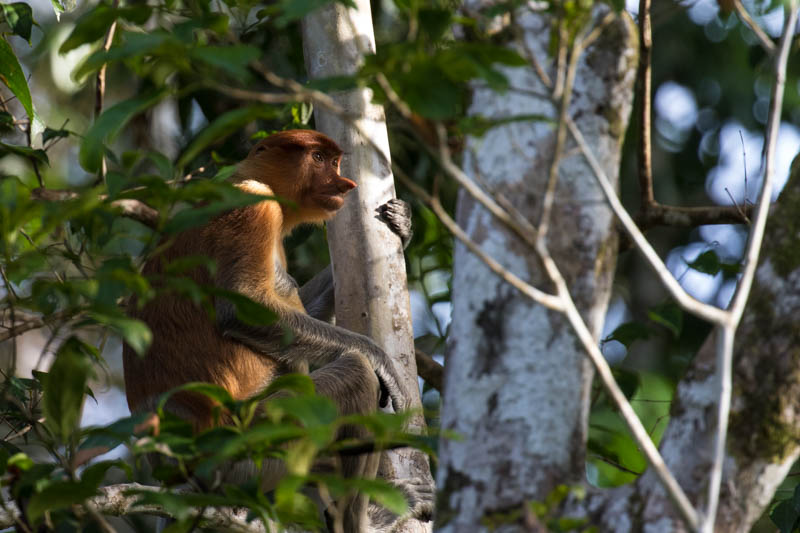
x=331 y=203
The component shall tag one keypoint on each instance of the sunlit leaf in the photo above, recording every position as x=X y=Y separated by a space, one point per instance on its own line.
x=13 y=77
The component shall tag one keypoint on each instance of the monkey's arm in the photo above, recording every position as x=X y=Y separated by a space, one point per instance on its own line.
x=313 y=341
x=317 y=295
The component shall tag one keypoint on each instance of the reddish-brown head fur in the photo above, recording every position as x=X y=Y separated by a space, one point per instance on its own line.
x=301 y=166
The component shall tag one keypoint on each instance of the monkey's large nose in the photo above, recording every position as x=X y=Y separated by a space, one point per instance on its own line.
x=344 y=185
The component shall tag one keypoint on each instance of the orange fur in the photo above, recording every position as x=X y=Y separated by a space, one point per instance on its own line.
x=245 y=244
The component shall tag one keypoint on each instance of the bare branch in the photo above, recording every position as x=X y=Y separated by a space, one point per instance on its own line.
x=726 y=336
x=705 y=311
x=657 y=214
x=644 y=88
x=547 y=300
x=130 y=208
x=761 y=35
x=114 y=500
x=429 y=370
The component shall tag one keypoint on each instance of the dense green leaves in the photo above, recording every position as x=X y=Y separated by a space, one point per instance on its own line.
x=222 y=127
x=110 y=123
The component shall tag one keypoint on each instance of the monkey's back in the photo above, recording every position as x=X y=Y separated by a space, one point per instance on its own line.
x=187 y=346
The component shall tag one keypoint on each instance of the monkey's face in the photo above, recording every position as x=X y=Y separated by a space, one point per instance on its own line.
x=301 y=166
x=325 y=188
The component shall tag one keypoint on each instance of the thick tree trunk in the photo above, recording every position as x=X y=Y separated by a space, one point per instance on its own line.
x=516 y=379
x=368 y=264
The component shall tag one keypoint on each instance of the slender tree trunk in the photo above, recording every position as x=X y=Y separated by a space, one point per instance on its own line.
x=516 y=379
x=368 y=263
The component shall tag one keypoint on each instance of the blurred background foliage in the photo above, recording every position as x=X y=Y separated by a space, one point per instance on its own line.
x=181 y=108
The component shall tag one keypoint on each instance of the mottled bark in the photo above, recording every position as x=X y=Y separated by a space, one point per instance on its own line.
x=516 y=378
x=368 y=263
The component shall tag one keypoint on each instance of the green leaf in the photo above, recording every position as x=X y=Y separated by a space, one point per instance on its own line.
x=222 y=127
x=707 y=263
x=215 y=392
x=628 y=333
x=668 y=315
x=110 y=123
x=134 y=332
x=231 y=59
x=91 y=26
x=291 y=10
x=53 y=134
x=24 y=151
x=58 y=495
x=334 y=83
x=12 y=76
x=19 y=16
x=65 y=387
x=785 y=517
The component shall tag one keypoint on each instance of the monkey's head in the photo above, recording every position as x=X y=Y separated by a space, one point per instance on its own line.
x=301 y=166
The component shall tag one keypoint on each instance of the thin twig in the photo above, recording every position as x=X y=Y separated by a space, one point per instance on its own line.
x=726 y=333
x=644 y=89
x=100 y=87
x=761 y=35
x=547 y=300
x=429 y=370
x=135 y=209
x=696 y=307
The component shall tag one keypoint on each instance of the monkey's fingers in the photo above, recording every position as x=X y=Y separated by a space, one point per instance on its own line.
x=397 y=215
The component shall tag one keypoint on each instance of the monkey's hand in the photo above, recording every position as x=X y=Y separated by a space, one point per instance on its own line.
x=391 y=384
x=420 y=495
x=397 y=215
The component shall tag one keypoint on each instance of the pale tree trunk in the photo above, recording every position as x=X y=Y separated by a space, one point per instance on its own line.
x=368 y=264
x=765 y=416
x=517 y=380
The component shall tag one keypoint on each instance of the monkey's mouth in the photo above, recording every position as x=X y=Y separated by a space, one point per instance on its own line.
x=331 y=202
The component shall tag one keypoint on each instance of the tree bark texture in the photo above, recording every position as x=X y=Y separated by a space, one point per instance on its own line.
x=764 y=435
x=368 y=263
x=516 y=378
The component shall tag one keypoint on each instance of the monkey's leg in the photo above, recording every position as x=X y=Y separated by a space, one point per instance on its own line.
x=353 y=386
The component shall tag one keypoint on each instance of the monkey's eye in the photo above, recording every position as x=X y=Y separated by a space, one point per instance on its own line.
x=318 y=156
x=335 y=162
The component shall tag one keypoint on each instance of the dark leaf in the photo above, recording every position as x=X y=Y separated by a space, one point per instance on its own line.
x=65 y=387
x=668 y=315
x=707 y=263
x=24 y=151
x=53 y=134
x=628 y=333
x=90 y=27
x=785 y=516
x=231 y=59
x=58 y=495
x=19 y=16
